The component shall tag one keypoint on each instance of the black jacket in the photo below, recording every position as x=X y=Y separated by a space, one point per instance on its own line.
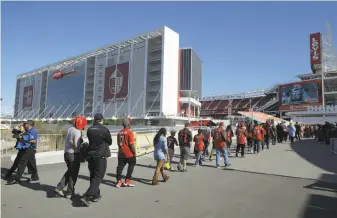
x=99 y=141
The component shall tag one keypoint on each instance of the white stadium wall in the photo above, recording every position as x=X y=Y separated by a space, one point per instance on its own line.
x=135 y=85
x=136 y=77
x=169 y=83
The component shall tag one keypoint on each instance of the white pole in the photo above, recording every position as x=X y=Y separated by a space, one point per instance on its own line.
x=94 y=109
x=23 y=115
x=153 y=102
x=65 y=111
x=137 y=103
x=21 y=112
x=73 y=110
x=29 y=114
x=107 y=107
x=58 y=109
x=35 y=113
x=85 y=108
x=49 y=111
x=42 y=112
x=121 y=105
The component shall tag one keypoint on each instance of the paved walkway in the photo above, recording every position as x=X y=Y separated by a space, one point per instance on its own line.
x=251 y=187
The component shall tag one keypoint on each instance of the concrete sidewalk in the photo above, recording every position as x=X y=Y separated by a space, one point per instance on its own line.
x=201 y=192
x=304 y=159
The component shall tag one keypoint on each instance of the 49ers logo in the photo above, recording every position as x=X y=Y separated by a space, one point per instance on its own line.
x=115 y=82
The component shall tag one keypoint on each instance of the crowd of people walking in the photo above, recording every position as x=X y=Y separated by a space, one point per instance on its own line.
x=256 y=136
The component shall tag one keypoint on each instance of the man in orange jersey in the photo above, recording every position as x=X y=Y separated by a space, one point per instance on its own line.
x=126 y=154
x=219 y=138
x=241 y=135
x=257 y=136
x=198 y=147
x=250 y=140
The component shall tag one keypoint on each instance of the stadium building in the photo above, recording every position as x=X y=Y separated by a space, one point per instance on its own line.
x=145 y=77
x=311 y=100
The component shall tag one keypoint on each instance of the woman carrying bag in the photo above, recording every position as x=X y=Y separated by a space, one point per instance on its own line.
x=160 y=150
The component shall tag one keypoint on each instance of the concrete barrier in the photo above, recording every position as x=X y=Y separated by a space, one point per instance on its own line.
x=143 y=145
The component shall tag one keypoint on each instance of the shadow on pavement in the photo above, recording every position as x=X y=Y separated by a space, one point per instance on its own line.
x=104 y=181
x=317 y=154
x=319 y=205
x=140 y=180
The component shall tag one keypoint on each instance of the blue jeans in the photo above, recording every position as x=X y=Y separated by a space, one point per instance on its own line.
x=225 y=155
x=257 y=145
x=198 y=157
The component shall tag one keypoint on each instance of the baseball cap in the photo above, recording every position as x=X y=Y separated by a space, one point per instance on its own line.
x=187 y=124
x=125 y=122
x=98 y=116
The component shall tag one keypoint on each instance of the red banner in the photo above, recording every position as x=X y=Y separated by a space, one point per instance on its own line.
x=116 y=82
x=28 y=94
x=315 y=48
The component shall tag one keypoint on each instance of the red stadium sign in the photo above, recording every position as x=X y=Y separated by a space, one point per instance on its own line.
x=315 y=48
x=58 y=74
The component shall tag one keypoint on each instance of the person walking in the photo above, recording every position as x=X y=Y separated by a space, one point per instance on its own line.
x=207 y=139
x=298 y=131
x=241 y=134
x=72 y=157
x=171 y=142
x=198 y=147
x=160 y=151
x=292 y=132
x=185 y=139
x=257 y=135
x=126 y=154
x=220 y=144
x=25 y=145
x=229 y=136
x=17 y=132
x=250 y=129
x=32 y=168
x=97 y=153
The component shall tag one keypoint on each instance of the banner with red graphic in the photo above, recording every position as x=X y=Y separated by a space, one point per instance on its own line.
x=28 y=94
x=315 y=48
x=116 y=84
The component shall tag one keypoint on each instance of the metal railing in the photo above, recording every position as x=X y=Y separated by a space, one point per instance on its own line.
x=46 y=142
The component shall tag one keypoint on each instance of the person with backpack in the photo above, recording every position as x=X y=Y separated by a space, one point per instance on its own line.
x=72 y=157
x=241 y=134
x=198 y=147
x=220 y=145
x=159 y=153
x=171 y=142
x=185 y=139
x=257 y=135
x=97 y=153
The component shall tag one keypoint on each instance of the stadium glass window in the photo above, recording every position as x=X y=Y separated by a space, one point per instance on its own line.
x=99 y=98
x=100 y=81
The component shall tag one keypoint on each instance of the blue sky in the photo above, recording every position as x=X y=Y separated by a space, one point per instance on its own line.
x=243 y=46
